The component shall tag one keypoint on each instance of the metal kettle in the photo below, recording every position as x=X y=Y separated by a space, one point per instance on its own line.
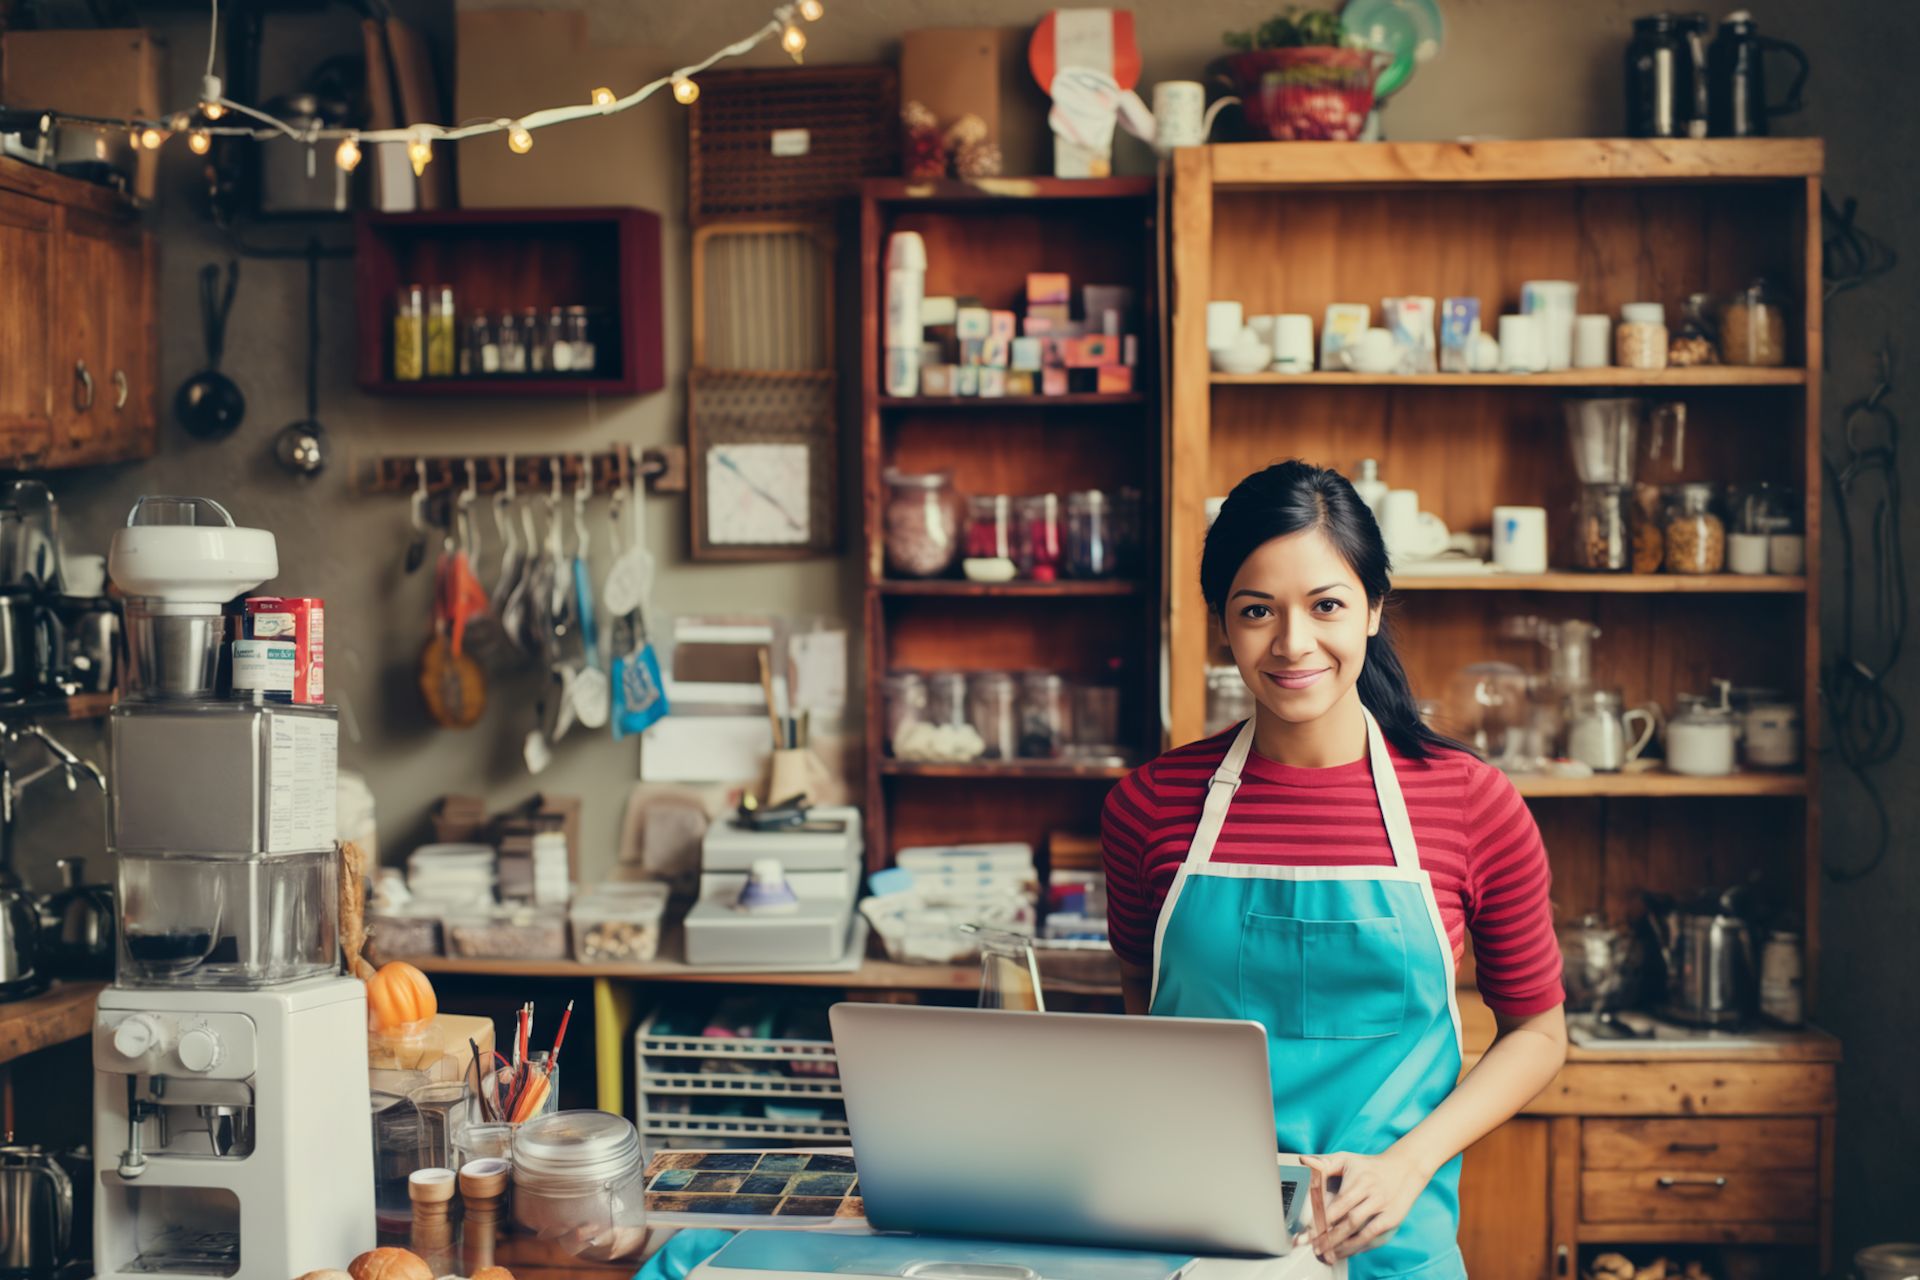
x=76 y=925
x=1707 y=950
x=36 y=1211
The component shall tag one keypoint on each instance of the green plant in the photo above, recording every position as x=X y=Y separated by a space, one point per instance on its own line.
x=1294 y=29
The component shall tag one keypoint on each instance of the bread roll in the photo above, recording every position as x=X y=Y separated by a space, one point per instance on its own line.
x=389 y=1264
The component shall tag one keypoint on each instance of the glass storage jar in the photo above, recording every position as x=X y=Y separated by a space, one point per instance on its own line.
x=990 y=527
x=1756 y=513
x=1037 y=549
x=1046 y=715
x=1641 y=340
x=1603 y=531
x=410 y=333
x=947 y=698
x=1698 y=340
x=440 y=333
x=577 y=1181
x=1753 y=326
x=203 y=920
x=991 y=699
x=1127 y=519
x=922 y=523
x=1096 y=720
x=1229 y=701
x=905 y=695
x=1092 y=541
x=1696 y=536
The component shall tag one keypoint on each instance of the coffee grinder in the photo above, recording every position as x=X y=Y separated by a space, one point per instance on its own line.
x=230 y=1068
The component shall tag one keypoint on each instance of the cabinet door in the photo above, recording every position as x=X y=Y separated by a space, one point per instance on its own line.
x=129 y=396
x=1504 y=1202
x=82 y=352
x=26 y=294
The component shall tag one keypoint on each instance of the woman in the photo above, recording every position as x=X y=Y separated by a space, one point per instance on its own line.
x=1317 y=869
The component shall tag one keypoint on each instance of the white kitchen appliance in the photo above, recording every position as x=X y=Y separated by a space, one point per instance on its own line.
x=231 y=1110
x=821 y=862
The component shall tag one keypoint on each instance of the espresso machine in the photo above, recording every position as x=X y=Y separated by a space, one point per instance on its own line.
x=230 y=1082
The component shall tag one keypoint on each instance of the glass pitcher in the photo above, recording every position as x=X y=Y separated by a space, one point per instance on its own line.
x=1009 y=973
x=1603 y=434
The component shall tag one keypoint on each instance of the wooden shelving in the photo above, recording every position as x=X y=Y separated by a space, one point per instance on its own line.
x=1647 y=584
x=63 y=1012
x=985 y=770
x=1073 y=400
x=1559 y=379
x=1065 y=589
x=1657 y=784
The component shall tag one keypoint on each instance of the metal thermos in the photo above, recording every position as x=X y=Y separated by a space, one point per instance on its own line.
x=36 y=1211
x=1660 y=79
x=1736 y=78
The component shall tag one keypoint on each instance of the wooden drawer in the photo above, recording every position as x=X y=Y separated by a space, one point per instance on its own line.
x=1717 y=1145
x=1728 y=1194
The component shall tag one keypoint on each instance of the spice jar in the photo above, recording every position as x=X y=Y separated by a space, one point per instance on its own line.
x=1641 y=340
x=990 y=527
x=905 y=697
x=1649 y=530
x=1697 y=343
x=1753 y=326
x=1603 y=540
x=947 y=698
x=511 y=339
x=1046 y=717
x=580 y=340
x=1696 y=536
x=440 y=330
x=482 y=353
x=1092 y=544
x=1096 y=720
x=922 y=523
x=992 y=711
x=1758 y=512
x=1037 y=548
x=577 y=1178
x=410 y=333
x=1127 y=523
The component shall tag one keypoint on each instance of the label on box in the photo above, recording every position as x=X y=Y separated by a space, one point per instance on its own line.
x=303 y=621
x=265 y=665
x=303 y=770
x=791 y=142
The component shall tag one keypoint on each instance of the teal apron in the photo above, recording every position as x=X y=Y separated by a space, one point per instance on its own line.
x=1350 y=971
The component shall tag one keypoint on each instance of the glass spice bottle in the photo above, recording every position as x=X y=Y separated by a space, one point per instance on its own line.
x=1696 y=536
x=1091 y=542
x=410 y=333
x=1038 y=547
x=440 y=329
x=991 y=706
x=1602 y=540
x=1046 y=715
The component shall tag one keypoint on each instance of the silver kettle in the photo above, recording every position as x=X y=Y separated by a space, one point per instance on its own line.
x=1707 y=951
x=36 y=1211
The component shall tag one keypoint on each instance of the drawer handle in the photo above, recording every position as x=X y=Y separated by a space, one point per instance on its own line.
x=1693 y=1148
x=1670 y=1183
x=83 y=381
x=120 y=389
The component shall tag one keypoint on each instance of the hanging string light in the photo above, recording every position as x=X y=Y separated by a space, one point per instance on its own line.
x=519 y=141
x=243 y=121
x=199 y=142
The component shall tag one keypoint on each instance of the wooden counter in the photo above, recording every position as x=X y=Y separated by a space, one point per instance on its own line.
x=63 y=1012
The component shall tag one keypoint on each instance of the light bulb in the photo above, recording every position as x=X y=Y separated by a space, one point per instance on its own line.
x=685 y=91
x=812 y=10
x=198 y=142
x=793 y=40
x=212 y=110
x=519 y=141
x=134 y=138
x=151 y=138
x=180 y=123
x=603 y=97
x=419 y=154
x=348 y=155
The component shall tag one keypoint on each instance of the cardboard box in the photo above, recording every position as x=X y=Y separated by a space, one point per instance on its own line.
x=982 y=71
x=937 y=310
x=996 y=352
x=993 y=382
x=1053 y=381
x=115 y=72
x=1053 y=313
x=1027 y=354
x=1021 y=382
x=1092 y=351
x=937 y=379
x=1114 y=379
x=972 y=323
x=1047 y=288
x=1002 y=325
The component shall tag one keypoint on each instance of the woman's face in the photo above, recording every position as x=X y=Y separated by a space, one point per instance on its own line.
x=1298 y=620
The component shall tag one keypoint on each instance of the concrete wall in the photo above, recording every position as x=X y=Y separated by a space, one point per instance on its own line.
x=1511 y=68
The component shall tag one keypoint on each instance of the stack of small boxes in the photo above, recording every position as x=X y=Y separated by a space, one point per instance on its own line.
x=970 y=350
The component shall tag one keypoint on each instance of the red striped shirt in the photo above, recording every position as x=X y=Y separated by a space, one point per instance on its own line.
x=1473 y=831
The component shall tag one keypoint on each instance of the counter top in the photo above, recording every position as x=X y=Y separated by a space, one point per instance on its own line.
x=62 y=1012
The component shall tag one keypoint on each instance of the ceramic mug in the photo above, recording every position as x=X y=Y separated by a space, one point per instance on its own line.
x=1520 y=539
x=1408 y=531
x=1592 y=342
x=1374 y=351
x=1293 y=344
x=1522 y=349
x=1224 y=322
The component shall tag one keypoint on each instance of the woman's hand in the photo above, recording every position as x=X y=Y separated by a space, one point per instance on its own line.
x=1376 y=1193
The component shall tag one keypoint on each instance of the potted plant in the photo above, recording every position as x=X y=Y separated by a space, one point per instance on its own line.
x=1300 y=79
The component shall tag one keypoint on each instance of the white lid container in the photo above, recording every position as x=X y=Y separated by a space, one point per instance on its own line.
x=577 y=1177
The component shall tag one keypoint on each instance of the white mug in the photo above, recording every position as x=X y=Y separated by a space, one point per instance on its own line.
x=1179 y=114
x=1592 y=342
x=1554 y=302
x=1293 y=344
x=1408 y=531
x=1224 y=322
x=1522 y=349
x=1520 y=539
x=1786 y=553
x=1374 y=351
x=1746 y=553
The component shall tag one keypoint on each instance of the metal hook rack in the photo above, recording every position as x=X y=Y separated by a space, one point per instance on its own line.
x=662 y=467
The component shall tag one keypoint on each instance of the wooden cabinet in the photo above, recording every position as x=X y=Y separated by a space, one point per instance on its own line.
x=1506 y=1227
x=76 y=324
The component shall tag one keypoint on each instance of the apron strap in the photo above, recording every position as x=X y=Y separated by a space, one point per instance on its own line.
x=1393 y=806
x=1220 y=791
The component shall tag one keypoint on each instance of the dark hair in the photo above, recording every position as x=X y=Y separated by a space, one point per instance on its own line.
x=1291 y=497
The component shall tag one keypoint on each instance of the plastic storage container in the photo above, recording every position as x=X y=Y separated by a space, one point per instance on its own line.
x=577 y=1180
x=618 y=923
x=507 y=933
x=196 y=920
x=395 y=935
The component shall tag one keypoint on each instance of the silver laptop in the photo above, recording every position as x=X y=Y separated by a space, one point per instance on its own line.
x=1152 y=1133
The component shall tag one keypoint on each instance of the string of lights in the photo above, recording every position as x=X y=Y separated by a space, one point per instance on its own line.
x=202 y=125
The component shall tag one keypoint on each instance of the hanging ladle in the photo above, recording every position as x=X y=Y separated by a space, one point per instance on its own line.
x=209 y=405
x=301 y=447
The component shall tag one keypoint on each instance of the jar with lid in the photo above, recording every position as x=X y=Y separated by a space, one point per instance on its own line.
x=585 y=355
x=440 y=332
x=410 y=333
x=947 y=698
x=1770 y=734
x=1641 y=340
x=1092 y=545
x=1037 y=549
x=577 y=1179
x=1649 y=530
x=1229 y=701
x=990 y=534
x=992 y=709
x=1700 y=740
x=533 y=335
x=1782 y=979
x=922 y=523
x=1096 y=720
x=1696 y=537
x=1698 y=340
x=1753 y=326
x=512 y=341
x=1758 y=511
x=553 y=339
x=904 y=694
x=1046 y=715
x=1128 y=517
x=1603 y=537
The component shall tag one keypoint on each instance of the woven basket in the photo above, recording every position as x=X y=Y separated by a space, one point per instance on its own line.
x=851 y=116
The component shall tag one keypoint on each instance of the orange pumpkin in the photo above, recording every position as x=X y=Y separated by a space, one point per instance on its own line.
x=398 y=994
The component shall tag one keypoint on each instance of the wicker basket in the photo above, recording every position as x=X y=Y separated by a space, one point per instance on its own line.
x=851 y=116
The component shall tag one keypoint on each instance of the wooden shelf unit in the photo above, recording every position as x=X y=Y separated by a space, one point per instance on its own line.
x=982 y=239
x=1293 y=227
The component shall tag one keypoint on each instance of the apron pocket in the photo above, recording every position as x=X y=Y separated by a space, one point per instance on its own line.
x=1323 y=979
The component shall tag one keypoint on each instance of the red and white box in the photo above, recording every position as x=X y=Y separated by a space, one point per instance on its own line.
x=303 y=620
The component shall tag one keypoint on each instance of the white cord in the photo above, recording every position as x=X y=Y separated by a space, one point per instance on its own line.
x=213 y=37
